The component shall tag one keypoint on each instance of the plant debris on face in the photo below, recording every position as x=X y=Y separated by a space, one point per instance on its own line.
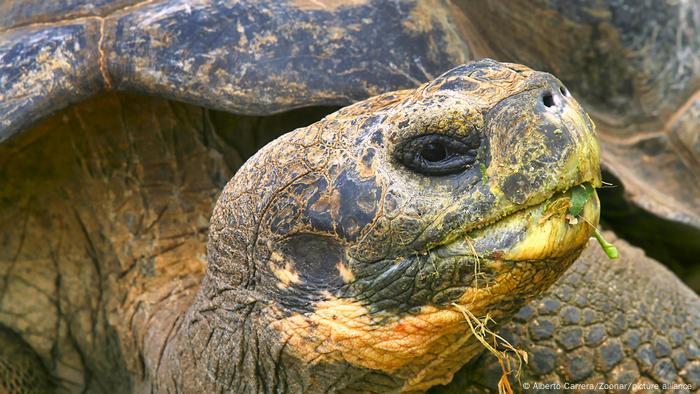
x=480 y=330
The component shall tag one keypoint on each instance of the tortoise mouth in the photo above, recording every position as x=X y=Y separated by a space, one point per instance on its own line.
x=532 y=233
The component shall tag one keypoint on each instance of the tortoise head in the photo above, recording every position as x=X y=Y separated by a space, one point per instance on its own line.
x=361 y=232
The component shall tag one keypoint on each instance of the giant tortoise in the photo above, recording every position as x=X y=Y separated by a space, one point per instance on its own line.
x=377 y=249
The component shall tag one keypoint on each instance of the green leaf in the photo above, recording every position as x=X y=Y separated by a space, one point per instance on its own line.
x=579 y=196
x=608 y=248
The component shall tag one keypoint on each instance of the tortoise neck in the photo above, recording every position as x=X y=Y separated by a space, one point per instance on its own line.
x=215 y=340
x=222 y=340
x=154 y=327
x=225 y=339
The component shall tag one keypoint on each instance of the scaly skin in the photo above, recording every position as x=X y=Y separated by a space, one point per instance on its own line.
x=332 y=262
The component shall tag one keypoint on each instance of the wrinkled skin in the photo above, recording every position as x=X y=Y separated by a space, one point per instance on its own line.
x=333 y=263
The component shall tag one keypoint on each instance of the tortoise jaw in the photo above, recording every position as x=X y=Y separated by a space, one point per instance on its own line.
x=539 y=234
x=530 y=234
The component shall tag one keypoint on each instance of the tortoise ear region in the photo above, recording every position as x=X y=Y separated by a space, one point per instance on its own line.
x=315 y=257
x=307 y=268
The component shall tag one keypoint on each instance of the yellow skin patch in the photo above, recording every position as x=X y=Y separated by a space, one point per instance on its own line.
x=285 y=273
x=344 y=330
x=345 y=272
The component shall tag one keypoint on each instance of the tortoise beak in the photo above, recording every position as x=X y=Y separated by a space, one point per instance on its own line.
x=538 y=232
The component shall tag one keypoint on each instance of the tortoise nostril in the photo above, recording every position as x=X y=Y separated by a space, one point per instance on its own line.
x=563 y=91
x=548 y=100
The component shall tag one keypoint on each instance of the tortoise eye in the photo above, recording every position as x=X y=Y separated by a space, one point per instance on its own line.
x=434 y=151
x=437 y=154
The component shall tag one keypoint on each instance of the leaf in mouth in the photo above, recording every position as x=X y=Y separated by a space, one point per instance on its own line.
x=579 y=197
